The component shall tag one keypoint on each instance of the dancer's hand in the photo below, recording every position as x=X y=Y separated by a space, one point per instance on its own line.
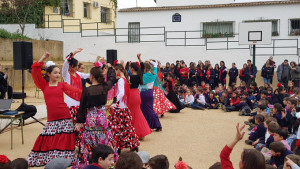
x=108 y=106
x=77 y=50
x=78 y=126
x=45 y=56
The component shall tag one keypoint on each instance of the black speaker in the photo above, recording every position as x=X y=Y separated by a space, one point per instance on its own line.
x=18 y=95
x=111 y=56
x=23 y=58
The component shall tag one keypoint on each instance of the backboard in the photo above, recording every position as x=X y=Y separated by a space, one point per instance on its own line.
x=255 y=33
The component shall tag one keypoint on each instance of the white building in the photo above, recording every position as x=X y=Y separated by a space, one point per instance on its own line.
x=191 y=37
x=152 y=32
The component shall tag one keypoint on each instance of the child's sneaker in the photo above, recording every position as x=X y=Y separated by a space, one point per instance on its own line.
x=224 y=108
x=249 y=142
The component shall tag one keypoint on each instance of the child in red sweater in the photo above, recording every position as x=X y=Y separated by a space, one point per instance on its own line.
x=250 y=158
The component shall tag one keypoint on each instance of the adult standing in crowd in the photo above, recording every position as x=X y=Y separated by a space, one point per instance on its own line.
x=274 y=66
x=233 y=74
x=223 y=73
x=250 y=72
x=192 y=74
x=267 y=71
x=4 y=87
x=283 y=73
x=295 y=74
x=166 y=70
x=243 y=73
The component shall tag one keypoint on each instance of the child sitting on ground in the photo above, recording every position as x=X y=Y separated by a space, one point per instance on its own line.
x=211 y=101
x=279 y=152
x=145 y=157
x=129 y=160
x=281 y=135
x=260 y=130
x=199 y=102
x=271 y=129
x=280 y=115
x=234 y=100
x=159 y=162
x=102 y=157
x=189 y=99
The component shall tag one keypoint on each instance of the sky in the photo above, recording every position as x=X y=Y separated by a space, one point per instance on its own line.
x=132 y=3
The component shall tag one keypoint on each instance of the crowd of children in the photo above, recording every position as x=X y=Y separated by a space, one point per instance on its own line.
x=105 y=126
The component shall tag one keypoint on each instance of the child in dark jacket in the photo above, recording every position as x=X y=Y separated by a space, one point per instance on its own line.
x=234 y=100
x=279 y=152
x=102 y=157
x=280 y=115
x=237 y=107
x=211 y=101
x=260 y=130
x=233 y=74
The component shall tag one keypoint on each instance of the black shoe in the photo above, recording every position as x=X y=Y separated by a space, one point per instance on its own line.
x=158 y=129
x=162 y=116
x=249 y=142
x=119 y=151
x=135 y=149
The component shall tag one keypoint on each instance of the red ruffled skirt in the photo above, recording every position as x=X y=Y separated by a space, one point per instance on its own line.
x=57 y=140
x=138 y=120
x=161 y=104
x=120 y=122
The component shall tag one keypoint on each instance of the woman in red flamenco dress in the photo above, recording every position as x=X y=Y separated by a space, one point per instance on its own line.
x=57 y=139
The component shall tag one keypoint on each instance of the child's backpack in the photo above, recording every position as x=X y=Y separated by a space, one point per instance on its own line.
x=246 y=111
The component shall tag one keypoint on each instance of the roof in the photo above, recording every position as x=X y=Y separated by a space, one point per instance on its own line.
x=264 y=3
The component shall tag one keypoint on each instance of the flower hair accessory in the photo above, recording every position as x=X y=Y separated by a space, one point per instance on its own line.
x=279 y=85
x=116 y=62
x=3 y=159
x=98 y=64
x=138 y=64
x=181 y=165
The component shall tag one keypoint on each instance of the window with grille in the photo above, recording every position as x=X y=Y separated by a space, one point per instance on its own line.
x=65 y=8
x=217 y=29
x=275 y=30
x=133 y=32
x=295 y=27
x=105 y=15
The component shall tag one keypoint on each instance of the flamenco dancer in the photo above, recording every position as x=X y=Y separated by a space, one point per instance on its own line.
x=172 y=95
x=134 y=103
x=120 y=119
x=57 y=139
x=71 y=76
x=92 y=113
x=147 y=98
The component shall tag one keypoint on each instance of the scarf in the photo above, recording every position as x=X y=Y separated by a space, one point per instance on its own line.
x=208 y=74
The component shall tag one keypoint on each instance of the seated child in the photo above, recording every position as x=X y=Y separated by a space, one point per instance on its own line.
x=102 y=157
x=272 y=128
x=280 y=115
x=145 y=157
x=211 y=101
x=260 y=130
x=281 y=135
x=129 y=159
x=234 y=100
x=21 y=163
x=245 y=95
x=159 y=162
x=291 y=161
x=224 y=100
x=279 y=152
x=199 y=102
x=181 y=96
x=238 y=107
x=189 y=99
x=202 y=85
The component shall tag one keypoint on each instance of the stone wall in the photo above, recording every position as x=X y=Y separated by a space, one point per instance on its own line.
x=55 y=48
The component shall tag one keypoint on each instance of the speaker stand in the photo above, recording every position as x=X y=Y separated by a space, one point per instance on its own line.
x=23 y=86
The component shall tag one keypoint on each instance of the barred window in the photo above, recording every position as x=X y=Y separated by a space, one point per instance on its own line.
x=133 y=32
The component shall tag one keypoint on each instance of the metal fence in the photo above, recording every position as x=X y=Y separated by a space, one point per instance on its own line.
x=184 y=38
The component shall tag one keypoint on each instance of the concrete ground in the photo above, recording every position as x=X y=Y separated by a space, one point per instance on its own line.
x=195 y=135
